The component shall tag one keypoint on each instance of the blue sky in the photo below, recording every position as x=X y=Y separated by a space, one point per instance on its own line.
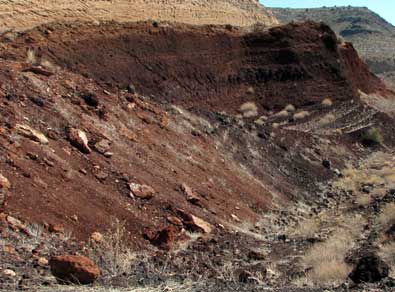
x=386 y=8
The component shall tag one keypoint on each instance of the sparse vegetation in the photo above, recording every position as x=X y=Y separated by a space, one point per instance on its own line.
x=112 y=254
x=363 y=200
x=31 y=57
x=249 y=110
x=372 y=137
x=290 y=108
x=282 y=114
x=307 y=228
x=327 y=102
x=261 y=121
x=387 y=216
x=301 y=115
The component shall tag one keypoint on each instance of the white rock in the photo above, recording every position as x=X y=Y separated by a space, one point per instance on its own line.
x=31 y=133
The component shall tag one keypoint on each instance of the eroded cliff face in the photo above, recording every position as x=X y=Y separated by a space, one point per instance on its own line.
x=207 y=67
x=21 y=15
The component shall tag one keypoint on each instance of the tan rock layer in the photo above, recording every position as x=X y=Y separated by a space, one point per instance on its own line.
x=21 y=15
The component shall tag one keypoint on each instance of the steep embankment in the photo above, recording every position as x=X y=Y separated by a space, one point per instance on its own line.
x=21 y=15
x=206 y=67
x=373 y=37
x=235 y=170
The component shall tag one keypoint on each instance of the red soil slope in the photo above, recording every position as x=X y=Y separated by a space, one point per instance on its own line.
x=210 y=67
x=233 y=169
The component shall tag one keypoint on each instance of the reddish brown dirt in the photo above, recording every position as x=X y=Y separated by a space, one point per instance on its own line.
x=234 y=169
x=208 y=67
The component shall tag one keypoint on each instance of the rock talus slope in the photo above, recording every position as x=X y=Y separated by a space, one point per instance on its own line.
x=20 y=15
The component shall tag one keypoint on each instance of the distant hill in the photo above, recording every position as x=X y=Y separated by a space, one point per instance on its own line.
x=372 y=36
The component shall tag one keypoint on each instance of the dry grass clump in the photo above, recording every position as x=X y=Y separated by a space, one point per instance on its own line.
x=290 y=108
x=307 y=228
x=31 y=57
x=301 y=115
x=327 y=119
x=282 y=114
x=261 y=121
x=387 y=216
x=387 y=253
x=112 y=254
x=249 y=110
x=327 y=102
x=325 y=260
x=363 y=200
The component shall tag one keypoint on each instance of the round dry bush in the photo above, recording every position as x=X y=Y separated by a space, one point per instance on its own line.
x=301 y=115
x=282 y=114
x=327 y=102
x=249 y=109
x=290 y=108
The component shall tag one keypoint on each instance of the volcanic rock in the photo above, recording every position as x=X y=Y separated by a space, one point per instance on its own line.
x=194 y=223
x=370 y=268
x=141 y=191
x=31 y=133
x=164 y=238
x=74 y=269
x=79 y=139
x=190 y=195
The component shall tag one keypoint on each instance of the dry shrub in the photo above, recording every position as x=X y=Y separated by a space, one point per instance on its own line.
x=363 y=200
x=290 y=108
x=282 y=114
x=31 y=57
x=261 y=121
x=327 y=119
x=327 y=102
x=301 y=115
x=249 y=110
x=387 y=216
x=373 y=136
x=326 y=260
x=387 y=253
x=112 y=254
x=307 y=228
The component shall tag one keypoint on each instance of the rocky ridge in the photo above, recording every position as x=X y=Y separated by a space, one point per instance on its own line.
x=373 y=37
x=22 y=15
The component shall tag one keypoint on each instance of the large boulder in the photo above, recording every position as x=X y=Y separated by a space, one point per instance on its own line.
x=370 y=268
x=74 y=269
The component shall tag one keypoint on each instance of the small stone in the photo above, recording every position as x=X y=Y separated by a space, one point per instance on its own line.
x=42 y=262
x=79 y=139
x=103 y=146
x=56 y=228
x=131 y=89
x=8 y=274
x=174 y=220
x=101 y=175
x=31 y=133
x=190 y=195
x=97 y=237
x=141 y=191
x=234 y=217
x=5 y=184
x=15 y=223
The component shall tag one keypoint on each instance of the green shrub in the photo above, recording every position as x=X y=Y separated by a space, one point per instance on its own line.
x=372 y=136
